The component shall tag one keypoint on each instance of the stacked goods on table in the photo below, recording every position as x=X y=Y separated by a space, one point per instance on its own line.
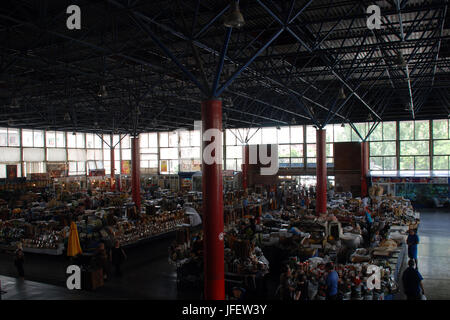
x=353 y=279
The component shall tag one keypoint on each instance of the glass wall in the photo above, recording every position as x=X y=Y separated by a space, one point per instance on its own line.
x=407 y=148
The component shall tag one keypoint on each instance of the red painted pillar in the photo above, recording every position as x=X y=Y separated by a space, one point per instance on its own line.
x=213 y=207
x=113 y=170
x=245 y=162
x=135 y=172
x=364 y=167
x=321 y=188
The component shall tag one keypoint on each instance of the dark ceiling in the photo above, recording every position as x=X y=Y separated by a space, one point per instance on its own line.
x=296 y=59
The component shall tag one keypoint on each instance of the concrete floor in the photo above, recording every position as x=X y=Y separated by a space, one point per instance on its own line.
x=434 y=254
x=148 y=275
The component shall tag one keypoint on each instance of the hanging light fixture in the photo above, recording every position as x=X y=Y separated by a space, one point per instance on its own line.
x=10 y=122
x=400 y=59
x=67 y=116
x=102 y=93
x=343 y=125
x=370 y=118
x=342 y=94
x=14 y=104
x=234 y=19
x=293 y=121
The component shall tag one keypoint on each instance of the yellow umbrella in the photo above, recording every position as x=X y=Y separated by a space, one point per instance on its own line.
x=73 y=246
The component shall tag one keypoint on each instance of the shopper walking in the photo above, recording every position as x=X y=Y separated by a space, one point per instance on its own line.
x=331 y=282
x=118 y=257
x=412 y=241
x=19 y=261
x=412 y=282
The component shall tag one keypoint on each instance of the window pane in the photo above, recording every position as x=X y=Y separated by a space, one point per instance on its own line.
x=169 y=153
x=414 y=148
x=185 y=139
x=422 y=163
x=376 y=163
x=89 y=140
x=143 y=140
x=153 y=140
x=38 y=138
x=311 y=150
x=296 y=134
x=27 y=138
x=311 y=134
x=254 y=135
x=296 y=150
x=231 y=138
x=126 y=142
x=3 y=137
x=284 y=135
x=50 y=138
x=422 y=130
x=60 y=139
x=284 y=151
x=173 y=139
x=231 y=164
x=342 y=134
x=269 y=135
x=190 y=153
x=390 y=163
x=441 y=147
x=329 y=150
x=80 y=140
x=284 y=163
x=13 y=137
x=406 y=163
x=163 y=139
x=234 y=152
x=382 y=149
x=377 y=133
x=441 y=163
x=389 y=131
x=440 y=129
x=297 y=163
x=407 y=130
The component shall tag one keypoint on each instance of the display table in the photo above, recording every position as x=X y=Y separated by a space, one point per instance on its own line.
x=92 y=279
x=54 y=252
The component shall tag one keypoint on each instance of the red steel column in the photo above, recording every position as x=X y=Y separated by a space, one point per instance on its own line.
x=245 y=162
x=364 y=167
x=113 y=170
x=135 y=172
x=213 y=208
x=321 y=188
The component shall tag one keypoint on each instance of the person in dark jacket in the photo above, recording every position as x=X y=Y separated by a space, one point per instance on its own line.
x=412 y=241
x=118 y=257
x=412 y=282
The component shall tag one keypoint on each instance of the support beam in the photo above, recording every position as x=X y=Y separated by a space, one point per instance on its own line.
x=214 y=279
x=113 y=169
x=364 y=168
x=245 y=163
x=135 y=172
x=321 y=188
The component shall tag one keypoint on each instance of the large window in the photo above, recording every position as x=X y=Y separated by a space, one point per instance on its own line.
x=383 y=148
x=414 y=148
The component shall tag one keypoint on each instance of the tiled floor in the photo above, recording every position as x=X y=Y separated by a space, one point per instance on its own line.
x=148 y=275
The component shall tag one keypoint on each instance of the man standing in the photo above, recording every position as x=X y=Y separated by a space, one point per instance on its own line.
x=412 y=241
x=412 y=282
x=369 y=224
x=331 y=282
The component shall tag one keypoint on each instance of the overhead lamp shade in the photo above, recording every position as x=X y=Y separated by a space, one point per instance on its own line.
x=342 y=94
x=401 y=60
x=234 y=19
